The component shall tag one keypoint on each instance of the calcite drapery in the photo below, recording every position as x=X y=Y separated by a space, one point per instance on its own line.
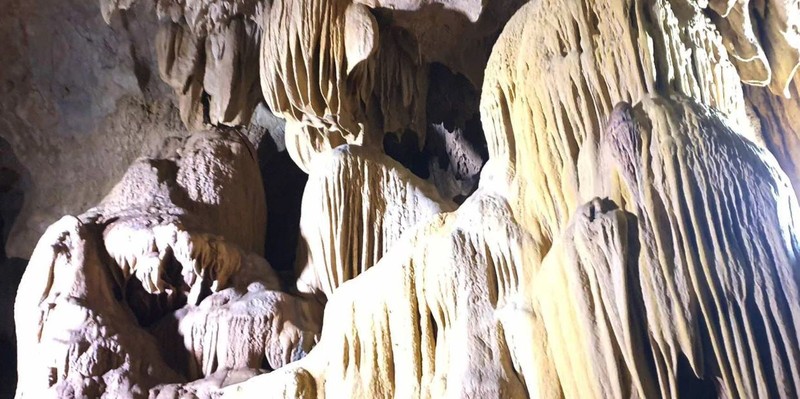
x=777 y=116
x=439 y=321
x=214 y=75
x=546 y=96
x=717 y=279
x=483 y=314
x=356 y=206
x=630 y=237
x=338 y=77
x=656 y=280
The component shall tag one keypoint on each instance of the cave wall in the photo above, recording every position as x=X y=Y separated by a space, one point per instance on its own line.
x=81 y=99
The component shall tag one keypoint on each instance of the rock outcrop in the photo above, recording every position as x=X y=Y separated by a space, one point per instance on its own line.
x=483 y=309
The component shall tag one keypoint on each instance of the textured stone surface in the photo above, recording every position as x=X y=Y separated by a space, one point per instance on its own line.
x=676 y=230
x=473 y=299
x=718 y=285
x=68 y=313
x=160 y=283
x=546 y=96
x=214 y=75
x=355 y=207
x=592 y=210
x=455 y=149
x=778 y=118
x=435 y=324
x=455 y=33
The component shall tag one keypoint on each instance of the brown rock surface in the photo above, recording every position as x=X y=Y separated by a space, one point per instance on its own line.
x=778 y=118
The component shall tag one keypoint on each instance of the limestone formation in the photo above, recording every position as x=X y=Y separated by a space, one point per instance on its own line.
x=455 y=137
x=544 y=105
x=339 y=76
x=214 y=75
x=87 y=343
x=762 y=40
x=446 y=303
x=364 y=64
x=659 y=285
x=160 y=283
x=634 y=232
x=718 y=280
x=455 y=33
x=777 y=117
x=473 y=288
x=344 y=229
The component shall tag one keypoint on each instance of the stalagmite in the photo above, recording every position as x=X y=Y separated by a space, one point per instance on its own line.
x=590 y=304
x=664 y=304
x=446 y=305
x=631 y=281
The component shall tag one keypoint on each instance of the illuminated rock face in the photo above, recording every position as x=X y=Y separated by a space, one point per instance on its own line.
x=161 y=283
x=345 y=230
x=633 y=233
